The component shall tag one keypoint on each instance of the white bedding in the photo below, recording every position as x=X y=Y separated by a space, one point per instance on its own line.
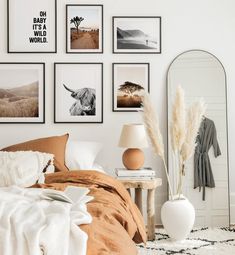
x=30 y=225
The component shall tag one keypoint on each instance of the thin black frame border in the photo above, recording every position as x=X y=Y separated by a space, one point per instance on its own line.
x=227 y=122
x=44 y=99
x=128 y=63
x=102 y=26
x=29 y=52
x=130 y=17
x=102 y=92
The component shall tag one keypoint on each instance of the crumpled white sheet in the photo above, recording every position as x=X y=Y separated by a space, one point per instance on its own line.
x=30 y=225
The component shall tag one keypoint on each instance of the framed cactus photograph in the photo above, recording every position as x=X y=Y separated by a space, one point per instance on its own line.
x=32 y=26
x=78 y=93
x=130 y=81
x=84 y=28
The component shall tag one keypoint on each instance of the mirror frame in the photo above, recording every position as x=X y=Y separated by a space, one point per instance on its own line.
x=227 y=127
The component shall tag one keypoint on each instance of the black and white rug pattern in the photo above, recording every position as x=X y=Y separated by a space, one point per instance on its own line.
x=201 y=241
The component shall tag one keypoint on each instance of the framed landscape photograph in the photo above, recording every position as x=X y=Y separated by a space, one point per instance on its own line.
x=84 y=28
x=130 y=81
x=78 y=93
x=32 y=26
x=137 y=34
x=22 y=93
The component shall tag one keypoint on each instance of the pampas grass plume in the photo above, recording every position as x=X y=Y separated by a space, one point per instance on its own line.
x=194 y=118
x=177 y=128
x=152 y=127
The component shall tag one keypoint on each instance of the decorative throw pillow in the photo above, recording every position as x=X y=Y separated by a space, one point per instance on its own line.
x=80 y=155
x=54 y=145
x=22 y=168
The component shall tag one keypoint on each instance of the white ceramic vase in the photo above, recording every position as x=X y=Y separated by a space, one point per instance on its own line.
x=178 y=218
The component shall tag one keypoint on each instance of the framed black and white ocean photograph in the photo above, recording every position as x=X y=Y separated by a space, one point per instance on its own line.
x=137 y=34
x=32 y=26
x=130 y=81
x=78 y=93
x=22 y=93
x=84 y=28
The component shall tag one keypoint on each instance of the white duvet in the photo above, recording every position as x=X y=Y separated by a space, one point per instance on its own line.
x=31 y=225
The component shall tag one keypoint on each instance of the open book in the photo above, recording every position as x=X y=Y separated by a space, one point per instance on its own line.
x=71 y=194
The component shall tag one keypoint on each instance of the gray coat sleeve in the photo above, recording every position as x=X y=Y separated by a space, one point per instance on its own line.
x=215 y=143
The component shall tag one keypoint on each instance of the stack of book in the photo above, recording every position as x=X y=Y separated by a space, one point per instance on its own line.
x=141 y=174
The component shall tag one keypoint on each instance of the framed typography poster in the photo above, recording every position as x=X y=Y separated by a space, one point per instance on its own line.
x=32 y=26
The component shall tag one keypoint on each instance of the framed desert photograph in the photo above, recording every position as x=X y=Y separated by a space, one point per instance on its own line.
x=32 y=26
x=84 y=28
x=78 y=93
x=137 y=34
x=22 y=93
x=130 y=81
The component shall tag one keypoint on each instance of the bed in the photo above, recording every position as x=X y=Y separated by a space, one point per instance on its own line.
x=117 y=225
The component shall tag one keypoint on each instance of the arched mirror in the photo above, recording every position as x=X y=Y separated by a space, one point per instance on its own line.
x=201 y=75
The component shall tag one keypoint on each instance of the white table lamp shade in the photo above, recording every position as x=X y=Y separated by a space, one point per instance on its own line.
x=133 y=136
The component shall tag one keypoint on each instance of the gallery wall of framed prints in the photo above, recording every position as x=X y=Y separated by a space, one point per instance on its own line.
x=32 y=27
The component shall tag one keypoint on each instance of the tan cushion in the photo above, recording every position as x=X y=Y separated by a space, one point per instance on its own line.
x=55 y=145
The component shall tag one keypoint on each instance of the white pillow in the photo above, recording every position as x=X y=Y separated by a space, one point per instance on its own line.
x=22 y=168
x=98 y=168
x=80 y=155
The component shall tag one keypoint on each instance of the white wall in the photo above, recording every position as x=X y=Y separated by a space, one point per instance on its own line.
x=187 y=24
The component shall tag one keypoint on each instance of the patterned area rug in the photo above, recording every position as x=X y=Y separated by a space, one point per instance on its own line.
x=204 y=241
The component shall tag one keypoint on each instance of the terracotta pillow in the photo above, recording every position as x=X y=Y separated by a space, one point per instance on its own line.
x=55 y=145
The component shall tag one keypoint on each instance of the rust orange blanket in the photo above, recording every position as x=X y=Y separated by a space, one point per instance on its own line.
x=116 y=224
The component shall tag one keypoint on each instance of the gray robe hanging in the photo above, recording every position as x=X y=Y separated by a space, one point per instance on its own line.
x=207 y=137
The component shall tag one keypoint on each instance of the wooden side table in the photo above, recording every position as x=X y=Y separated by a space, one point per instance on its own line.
x=150 y=186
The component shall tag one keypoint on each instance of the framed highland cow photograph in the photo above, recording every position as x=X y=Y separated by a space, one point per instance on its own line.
x=32 y=26
x=22 y=93
x=137 y=34
x=84 y=28
x=130 y=81
x=78 y=93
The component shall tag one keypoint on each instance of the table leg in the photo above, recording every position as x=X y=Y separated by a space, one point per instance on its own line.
x=151 y=214
x=138 y=199
x=129 y=191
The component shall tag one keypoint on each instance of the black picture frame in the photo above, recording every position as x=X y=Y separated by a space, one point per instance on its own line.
x=102 y=30
x=43 y=93
x=136 y=51
x=101 y=92
x=115 y=108
x=25 y=51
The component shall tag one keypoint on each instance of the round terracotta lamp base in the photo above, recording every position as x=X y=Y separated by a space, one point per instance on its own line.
x=133 y=159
